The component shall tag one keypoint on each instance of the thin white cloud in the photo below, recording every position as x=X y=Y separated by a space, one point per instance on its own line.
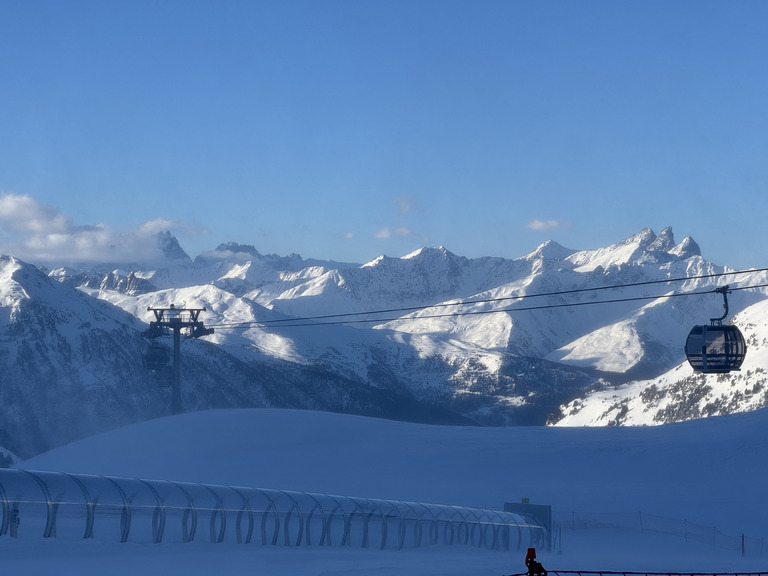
x=21 y=213
x=39 y=233
x=543 y=225
x=382 y=233
x=404 y=204
x=402 y=231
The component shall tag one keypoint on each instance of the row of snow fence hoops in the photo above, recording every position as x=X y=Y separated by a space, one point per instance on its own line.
x=299 y=515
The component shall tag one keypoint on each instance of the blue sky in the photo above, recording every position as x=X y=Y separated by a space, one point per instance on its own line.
x=348 y=129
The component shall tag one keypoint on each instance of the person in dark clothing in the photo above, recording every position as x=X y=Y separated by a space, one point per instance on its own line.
x=534 y=568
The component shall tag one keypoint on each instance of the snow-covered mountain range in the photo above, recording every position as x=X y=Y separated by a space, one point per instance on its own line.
x=558 y=334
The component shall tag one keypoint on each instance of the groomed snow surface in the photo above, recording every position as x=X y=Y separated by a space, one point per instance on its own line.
x=709 y=472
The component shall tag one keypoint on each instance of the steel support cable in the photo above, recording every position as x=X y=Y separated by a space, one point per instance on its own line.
x=523 y=296
x=627 y=573
x=309 y=321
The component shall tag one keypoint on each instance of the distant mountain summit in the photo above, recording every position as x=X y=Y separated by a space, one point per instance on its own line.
x=430 y=337
x=170 y=247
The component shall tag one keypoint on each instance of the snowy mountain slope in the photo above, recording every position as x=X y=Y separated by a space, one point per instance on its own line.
x=62 y=355
x=681 y=394
x=71 y=366
x=495 y=359
x=489 y=387
x=635 y=336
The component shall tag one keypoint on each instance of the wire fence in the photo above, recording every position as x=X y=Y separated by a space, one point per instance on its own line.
x=685 y=529
x=625 y=573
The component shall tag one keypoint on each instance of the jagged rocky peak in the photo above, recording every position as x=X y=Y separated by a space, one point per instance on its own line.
x=686 y=249
x=126 y=282
x=550 y=250
x=437 y=255
x=647 y=240
x=170 y=247
x=664 y=242
x=235 y=248
x=644 y=238
x=426 y=252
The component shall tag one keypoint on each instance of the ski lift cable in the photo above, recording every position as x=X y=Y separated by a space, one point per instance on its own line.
x=302 y=323
x=501 y=299
x=318 y=320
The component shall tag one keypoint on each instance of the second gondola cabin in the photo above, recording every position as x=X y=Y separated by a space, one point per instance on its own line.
x=715 y=349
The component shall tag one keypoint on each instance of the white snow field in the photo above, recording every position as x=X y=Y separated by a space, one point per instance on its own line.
x=706 y=472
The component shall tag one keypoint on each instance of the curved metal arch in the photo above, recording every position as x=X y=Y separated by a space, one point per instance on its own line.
x=158 y=514
x=90 y=505
x=357 y=510
x=379 y=505
x=403 y=528
x=308 y=523
x=366 y=513
x=125 y=513
x=51 y=507
x=244 y=509
x=216 y=538
x=189 y=516
x=382 y=514
x=447 y=515
x=475 y=525
x=271 y=507
x=6 y=508
x=463 y=525
x=288 y=515
x=428 y=509
x=330 y=520
x=490 y=523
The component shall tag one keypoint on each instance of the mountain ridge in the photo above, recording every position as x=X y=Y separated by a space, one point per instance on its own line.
x=431 y=335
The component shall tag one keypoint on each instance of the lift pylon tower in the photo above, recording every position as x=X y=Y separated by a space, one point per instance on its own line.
x=176 y=320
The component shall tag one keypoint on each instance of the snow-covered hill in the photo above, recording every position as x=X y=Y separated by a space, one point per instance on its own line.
x=709 y=473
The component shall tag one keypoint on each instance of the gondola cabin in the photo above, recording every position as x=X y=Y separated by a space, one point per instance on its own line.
x=715 y=349
x=156 y=357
